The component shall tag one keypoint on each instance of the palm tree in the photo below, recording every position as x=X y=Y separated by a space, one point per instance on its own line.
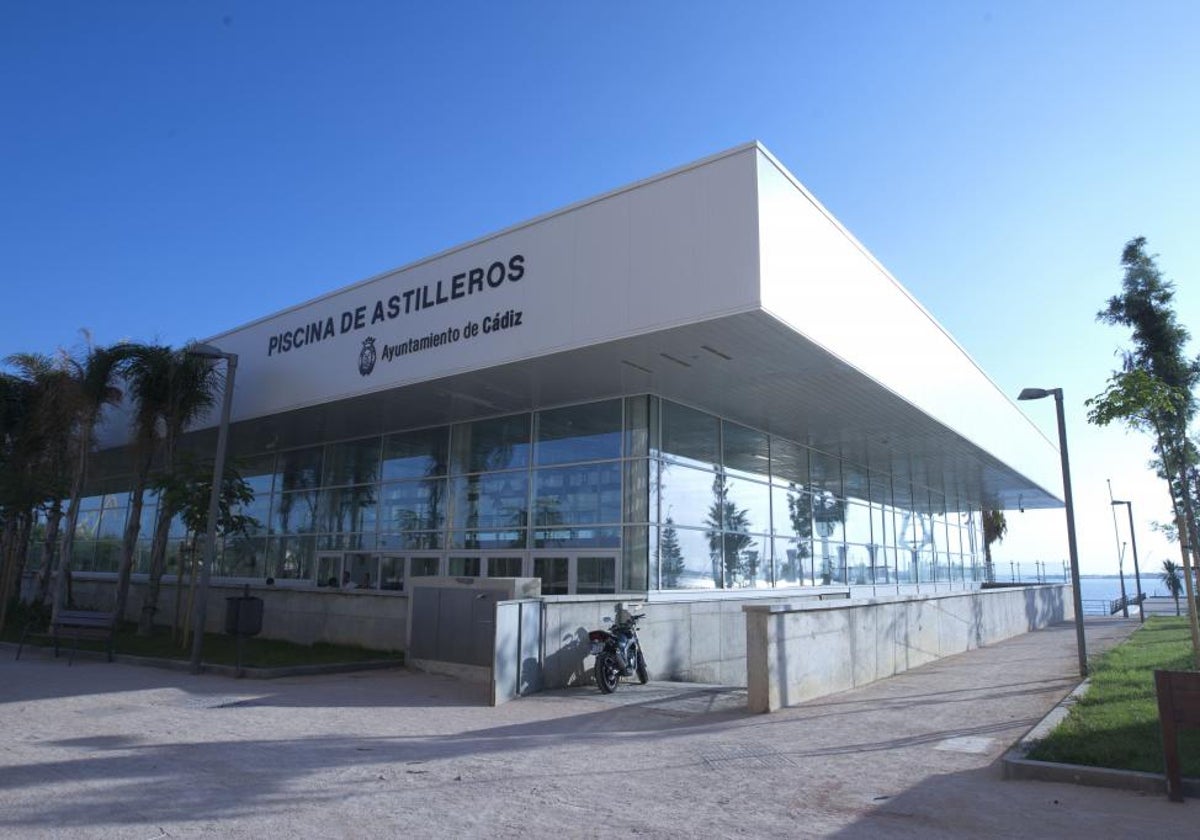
x=35 y=433
x=1173 y=580
x=995 y=526
x=192 y=385
x=92 y=380
x=147 y=377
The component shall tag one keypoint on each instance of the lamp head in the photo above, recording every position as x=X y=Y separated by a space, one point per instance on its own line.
x=1116 y=502
x=1033 y=393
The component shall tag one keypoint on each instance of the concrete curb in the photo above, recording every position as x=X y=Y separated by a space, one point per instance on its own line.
x=227 y=670
x=1017 y=766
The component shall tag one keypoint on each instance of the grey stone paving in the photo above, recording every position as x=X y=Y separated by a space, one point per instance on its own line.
x=114 y=751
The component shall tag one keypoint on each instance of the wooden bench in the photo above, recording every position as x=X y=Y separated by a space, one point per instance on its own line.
x=1178 y=708
x=76 y=625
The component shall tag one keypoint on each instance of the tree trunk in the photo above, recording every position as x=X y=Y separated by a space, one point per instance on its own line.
x=64 y=558
x=8 y=562
x=133 y=528
x=1187 y=544
x=177 y=621
x=18 y=554
x=49 y=549
x=158 y=563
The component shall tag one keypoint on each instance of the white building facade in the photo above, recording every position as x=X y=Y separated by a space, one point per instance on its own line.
x=699 y=382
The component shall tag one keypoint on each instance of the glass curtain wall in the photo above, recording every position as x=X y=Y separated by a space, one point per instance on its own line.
x=680 y=498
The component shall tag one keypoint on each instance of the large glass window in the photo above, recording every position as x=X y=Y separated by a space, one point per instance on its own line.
x=594 y=575
x=554 y=572
x=419 y=454
x=298 y=469
x=747 y=505
x=589 y=432
x=413 y=506
x=745 y=451
x=582 y=495
x=491 y=500
x=500 y=443
x=345 y=509
x=690 y=436
x=352 y=462
x=688 y=496
x=295 y=513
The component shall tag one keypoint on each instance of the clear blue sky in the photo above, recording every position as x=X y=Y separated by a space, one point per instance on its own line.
x=171 y=170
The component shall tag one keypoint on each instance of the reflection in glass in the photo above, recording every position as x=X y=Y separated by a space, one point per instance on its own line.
x=499 y=443
x=413 y=506
x=553 y=571
x=296 y=513
x=690 y=436
x=418 y=454
x=590 y=432
x=735 y=559
x=292 y=558
x=351 y=462
x=491 y=500
x=463 y=567
x=685 y=494
x=347 y=509
x=745 y=451
x=425 y=540
x=752 y=499
x=425 y=566
x=858 y=523
x=583 y=495
x=359 y=571
x=298 y=469
x=793 y=562
x=595 y=575
x=391 y=572
x=578 y=537
x=244 y=556
x=490 y=539
x=504 y=567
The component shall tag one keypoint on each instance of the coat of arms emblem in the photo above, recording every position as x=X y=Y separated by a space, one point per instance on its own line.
x=366 y=356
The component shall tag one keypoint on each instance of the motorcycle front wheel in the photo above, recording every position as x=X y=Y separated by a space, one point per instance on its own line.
x=642 y=674
x=608 y=673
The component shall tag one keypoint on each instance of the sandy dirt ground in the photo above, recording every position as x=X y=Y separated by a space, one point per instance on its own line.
x=99 y=750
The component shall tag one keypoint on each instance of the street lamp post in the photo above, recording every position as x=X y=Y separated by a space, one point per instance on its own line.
x=208 y=351
x=1137 y=573
x=1072 y=546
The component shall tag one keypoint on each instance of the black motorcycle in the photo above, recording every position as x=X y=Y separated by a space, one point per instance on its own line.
x=618 y=652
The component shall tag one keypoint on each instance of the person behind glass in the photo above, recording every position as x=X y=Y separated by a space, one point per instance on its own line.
x=347 y=581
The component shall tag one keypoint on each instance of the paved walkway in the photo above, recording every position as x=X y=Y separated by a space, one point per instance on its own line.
x=116 y=751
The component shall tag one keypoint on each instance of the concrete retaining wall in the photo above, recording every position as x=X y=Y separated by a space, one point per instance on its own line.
x=795 y=652
x=370 y=619
x=701 y=640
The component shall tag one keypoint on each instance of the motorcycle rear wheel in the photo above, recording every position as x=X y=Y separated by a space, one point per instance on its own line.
x=608 y=674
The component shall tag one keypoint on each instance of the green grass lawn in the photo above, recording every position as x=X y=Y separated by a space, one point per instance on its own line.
x=1115 y=724
x=220 y=649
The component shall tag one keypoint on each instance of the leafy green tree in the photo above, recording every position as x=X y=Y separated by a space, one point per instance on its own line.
x=995 y=526
x=1153 y=391
x=188 y=490
x=1173 y=580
